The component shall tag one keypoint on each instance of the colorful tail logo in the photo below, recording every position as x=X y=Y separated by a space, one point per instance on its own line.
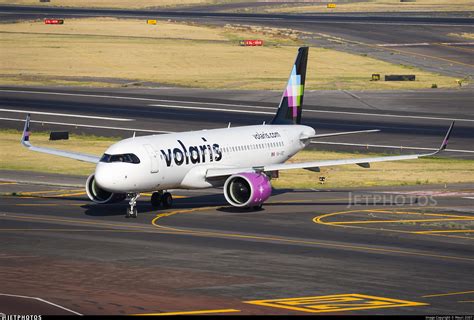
x=291 y=105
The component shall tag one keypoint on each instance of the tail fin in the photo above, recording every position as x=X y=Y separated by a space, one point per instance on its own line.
x=291 y=104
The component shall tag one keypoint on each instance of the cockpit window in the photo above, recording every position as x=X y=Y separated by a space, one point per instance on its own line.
x=126 y=157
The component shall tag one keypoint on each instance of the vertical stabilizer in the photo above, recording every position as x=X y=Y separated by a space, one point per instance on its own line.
x=291 y=104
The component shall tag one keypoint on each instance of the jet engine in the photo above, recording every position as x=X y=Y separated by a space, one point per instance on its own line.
x=99 y=195
x=247 y=189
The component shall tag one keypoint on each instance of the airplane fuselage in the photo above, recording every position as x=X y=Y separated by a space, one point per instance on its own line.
x=180 y=160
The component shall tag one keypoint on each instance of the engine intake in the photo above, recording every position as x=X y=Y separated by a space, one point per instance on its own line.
x=247 y=189
x=99 y=195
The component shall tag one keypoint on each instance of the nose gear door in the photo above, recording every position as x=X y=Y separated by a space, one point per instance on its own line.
x=153 y=154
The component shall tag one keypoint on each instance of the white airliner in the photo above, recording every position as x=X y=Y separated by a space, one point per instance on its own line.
x=242 y=160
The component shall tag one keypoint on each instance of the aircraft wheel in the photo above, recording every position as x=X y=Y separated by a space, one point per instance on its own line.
x=131 y=213
x=156 y=198
x=167 y=200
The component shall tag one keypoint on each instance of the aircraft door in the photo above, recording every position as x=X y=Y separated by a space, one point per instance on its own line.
x=154 y=158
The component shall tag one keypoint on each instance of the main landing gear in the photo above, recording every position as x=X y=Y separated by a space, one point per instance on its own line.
x=164 y=199
x=132 y=210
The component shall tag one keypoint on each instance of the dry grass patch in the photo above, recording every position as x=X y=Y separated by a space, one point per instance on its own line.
x=178 y=54
x=112 y=27
x=423 y=171
x=465 y=35
x=378 y=6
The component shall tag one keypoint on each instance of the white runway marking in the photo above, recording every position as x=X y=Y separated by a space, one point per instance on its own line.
x=307 y=110
x=210 y=109
x=388 y=147
x=415 y=24
x=42 y=300
x=457 y=43
x=403 y=44
x=87 y=126
x=425 y=44
x=65 y=115
x=241 y=106
x=126 y=98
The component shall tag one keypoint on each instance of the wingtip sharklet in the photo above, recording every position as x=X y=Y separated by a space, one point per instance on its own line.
x=446 y=138
x=444 y=144
x=25 y=138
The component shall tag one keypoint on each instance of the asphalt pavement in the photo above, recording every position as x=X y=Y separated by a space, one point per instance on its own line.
x=405 y=250
x=410 y=121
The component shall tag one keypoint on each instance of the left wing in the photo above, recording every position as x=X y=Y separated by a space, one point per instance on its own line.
x=25 y=141
x=315 y=165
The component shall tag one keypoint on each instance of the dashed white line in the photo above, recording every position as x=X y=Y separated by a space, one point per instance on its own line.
x=403 y=44
x=304 y=111
x=88 y=126
x=416 y=44
x=123 y=98
x=415 y=24
x=65 y=115
x=209 y=109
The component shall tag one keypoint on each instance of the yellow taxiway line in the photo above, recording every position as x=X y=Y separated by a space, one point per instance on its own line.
x=447 y=294
x=288 y=240
x=443 y=231
x=49 y=191
x=352 y=224
x=188 y=312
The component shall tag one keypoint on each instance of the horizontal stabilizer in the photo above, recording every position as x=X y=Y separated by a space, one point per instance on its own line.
x=324 y=135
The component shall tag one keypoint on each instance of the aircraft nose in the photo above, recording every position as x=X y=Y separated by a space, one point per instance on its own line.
x=105 y=177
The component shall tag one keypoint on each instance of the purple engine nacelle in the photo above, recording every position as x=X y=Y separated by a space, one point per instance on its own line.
x=247 y=189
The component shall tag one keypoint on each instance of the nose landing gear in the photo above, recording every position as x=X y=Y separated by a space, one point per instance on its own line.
x=132 y=210
x=157 y=199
